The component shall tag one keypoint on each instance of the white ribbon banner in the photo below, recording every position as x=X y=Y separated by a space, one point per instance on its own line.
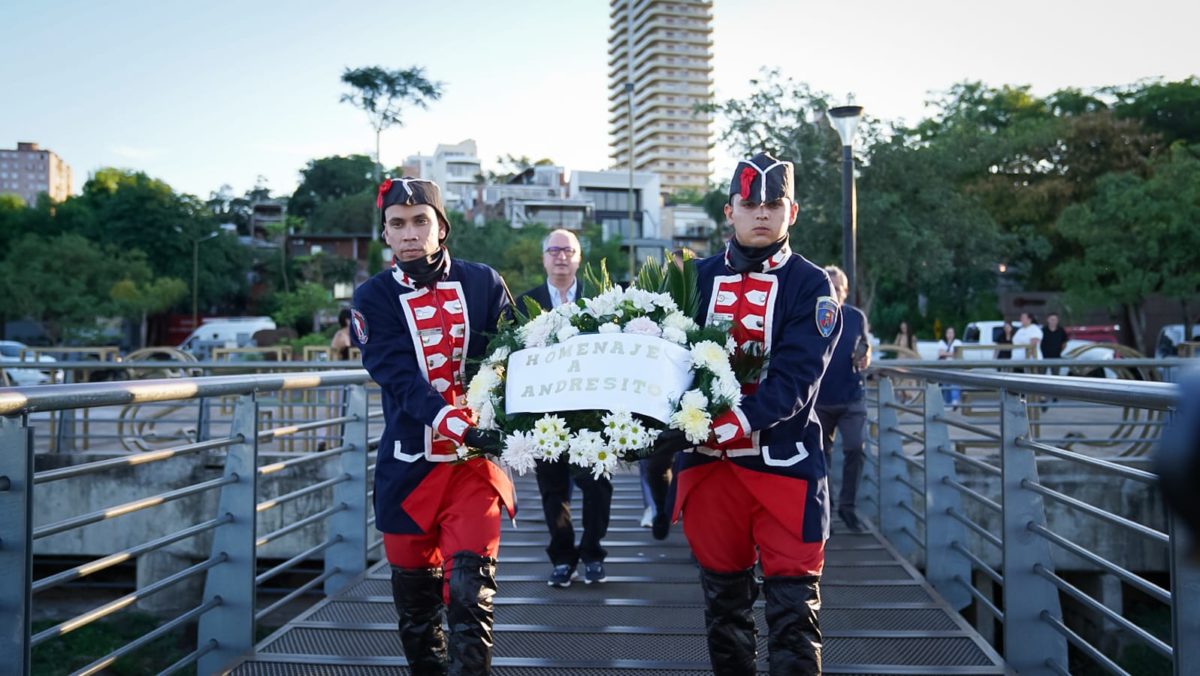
x=602 y=371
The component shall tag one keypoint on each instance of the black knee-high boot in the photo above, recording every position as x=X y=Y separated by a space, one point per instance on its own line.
x=417 y=593
x=794 y=638
x=729 y=620
x=472 y=586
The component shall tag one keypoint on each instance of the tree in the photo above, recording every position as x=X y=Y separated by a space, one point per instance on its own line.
x=299 y=309
x=382 y=94
x=330 y=178
x=137 y=300
x=1138 y=236
x=66 y=281
x=1171 y=109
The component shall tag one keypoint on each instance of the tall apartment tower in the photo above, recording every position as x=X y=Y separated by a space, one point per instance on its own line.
x=29 y=171
x=660 y=67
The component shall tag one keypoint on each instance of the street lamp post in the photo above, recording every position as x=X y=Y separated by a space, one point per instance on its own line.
x=196 y=276
x=629 y=198
x=845 y=120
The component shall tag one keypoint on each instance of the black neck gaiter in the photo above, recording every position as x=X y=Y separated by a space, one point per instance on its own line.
x=428 y=270
x=743 y=259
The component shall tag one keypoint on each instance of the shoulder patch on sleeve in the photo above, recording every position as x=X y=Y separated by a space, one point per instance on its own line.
x=826 y=315
x=359 y=322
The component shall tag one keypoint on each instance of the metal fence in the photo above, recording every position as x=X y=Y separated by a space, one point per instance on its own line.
x=229 y=607
x=960 y=478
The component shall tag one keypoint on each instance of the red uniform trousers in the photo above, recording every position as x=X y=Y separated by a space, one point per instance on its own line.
x=733 y=517
x=467 y=518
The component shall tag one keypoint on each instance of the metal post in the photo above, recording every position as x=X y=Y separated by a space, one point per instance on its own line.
x=946 y=568
x=231 y=624
x=1185 y=600
x=1029 y=643
x=349 y=555
x=16 y=537
x=897 y=525
x=196 y=283
x=629 y=96
x=65 y=434
x=849 y=224
x=870 y=498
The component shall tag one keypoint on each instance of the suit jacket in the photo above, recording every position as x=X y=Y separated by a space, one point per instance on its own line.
x=541 y=294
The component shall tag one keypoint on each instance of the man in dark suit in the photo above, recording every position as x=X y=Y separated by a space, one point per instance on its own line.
x=561 y=255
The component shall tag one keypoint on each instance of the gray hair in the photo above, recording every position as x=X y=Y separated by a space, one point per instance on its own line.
x=833 y=270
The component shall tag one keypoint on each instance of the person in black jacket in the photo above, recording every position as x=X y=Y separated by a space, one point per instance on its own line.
x=561 y=256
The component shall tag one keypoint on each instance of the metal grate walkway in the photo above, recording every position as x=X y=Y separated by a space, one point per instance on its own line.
x=878 y=616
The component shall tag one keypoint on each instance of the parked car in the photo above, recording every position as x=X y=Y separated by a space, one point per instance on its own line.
x=1169 y=338
x=222 y=332
x=10 y=351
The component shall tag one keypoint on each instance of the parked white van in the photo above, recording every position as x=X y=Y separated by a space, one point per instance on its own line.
x=224 y=332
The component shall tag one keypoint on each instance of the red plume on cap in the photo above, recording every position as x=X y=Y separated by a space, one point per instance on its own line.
x=383 y=190
x=747 y=178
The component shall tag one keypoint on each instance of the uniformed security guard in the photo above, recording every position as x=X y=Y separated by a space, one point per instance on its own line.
x=757 y=491
x=417 y=324
x=842 y=402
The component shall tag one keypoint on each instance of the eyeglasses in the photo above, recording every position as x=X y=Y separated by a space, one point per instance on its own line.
x=560 y=250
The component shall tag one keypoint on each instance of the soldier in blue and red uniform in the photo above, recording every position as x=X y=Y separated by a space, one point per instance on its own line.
x=417 y=324
x=757 y=491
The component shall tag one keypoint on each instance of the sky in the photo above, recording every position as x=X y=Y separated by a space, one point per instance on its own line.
x=201 y=94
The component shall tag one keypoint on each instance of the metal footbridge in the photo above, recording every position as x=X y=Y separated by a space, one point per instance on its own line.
x=995 y=501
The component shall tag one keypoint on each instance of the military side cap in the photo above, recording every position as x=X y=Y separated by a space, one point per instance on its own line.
x=762 y=179
x=411 y=191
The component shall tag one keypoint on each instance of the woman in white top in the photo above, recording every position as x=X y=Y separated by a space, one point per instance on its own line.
x=1029 y=334
x=947 y=348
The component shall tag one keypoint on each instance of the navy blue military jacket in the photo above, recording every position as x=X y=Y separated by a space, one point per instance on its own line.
x=415 y=343
x=783 y=302
x=843 y=383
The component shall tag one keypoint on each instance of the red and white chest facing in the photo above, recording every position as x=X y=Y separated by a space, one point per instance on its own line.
x=440 y=329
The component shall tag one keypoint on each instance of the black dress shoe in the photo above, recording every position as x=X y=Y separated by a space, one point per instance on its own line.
x=849 y=518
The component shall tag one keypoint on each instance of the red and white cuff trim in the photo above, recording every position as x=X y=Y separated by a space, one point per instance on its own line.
x=730 y=426
x=452 y=423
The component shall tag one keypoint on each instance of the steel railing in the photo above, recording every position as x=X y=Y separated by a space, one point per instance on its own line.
x=240 y=479
x=961 y=486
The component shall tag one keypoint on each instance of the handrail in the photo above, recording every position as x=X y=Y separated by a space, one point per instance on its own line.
x=22 y=400
x=1158 y=396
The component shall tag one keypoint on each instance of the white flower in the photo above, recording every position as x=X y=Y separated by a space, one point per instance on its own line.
x=730 y=344
x=728 y=389
x=487 y=415
x=500 y=356
x=538 y=331
x=674 y=335
x=462 y=452
x=480 y=389
x=678 y=321
x=643 y=326
x=604 y=462
x=693 y=422
x=568 y=310
x=711 y=356
x=567 y=332
x=519 y=452
x=584 y=447
x=606 y=303
x=693 y=399
x=641 y=299
x=610 y=327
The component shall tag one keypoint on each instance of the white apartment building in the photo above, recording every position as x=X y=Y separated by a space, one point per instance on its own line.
x=455 y=167
x=660 y=68
x=28 y=171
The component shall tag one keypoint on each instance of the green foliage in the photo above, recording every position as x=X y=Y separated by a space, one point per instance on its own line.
x=374 y=257
x=354 y=214
x=79 y=648
x=330 y=178
x=1137 y=236
x=135 y=299
x=383 y=93
x=1171 y=109
x=297 y=309
x=67 y=282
